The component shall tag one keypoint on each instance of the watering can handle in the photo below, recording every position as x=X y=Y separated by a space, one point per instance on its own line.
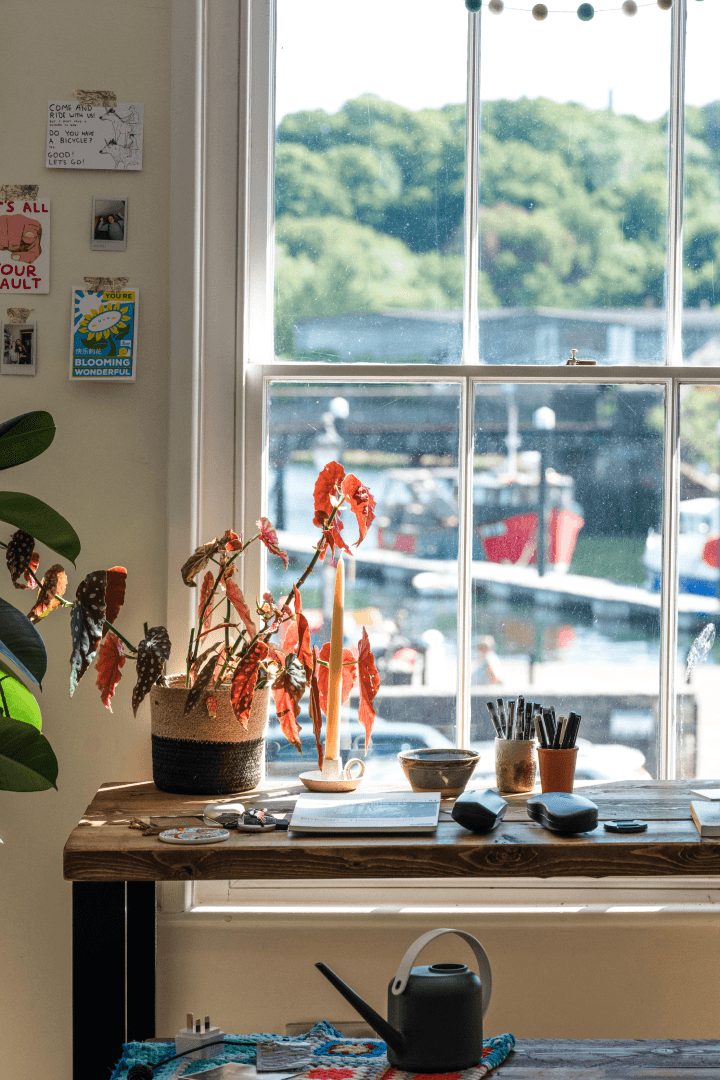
x=403 y=972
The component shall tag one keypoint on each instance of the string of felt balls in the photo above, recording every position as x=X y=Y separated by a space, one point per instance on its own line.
x=584 y=13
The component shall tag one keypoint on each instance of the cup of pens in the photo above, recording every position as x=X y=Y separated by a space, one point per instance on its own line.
x=516 y=759
x=557 y=751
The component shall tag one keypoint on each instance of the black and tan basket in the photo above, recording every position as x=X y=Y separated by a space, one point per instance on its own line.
x=202 y=755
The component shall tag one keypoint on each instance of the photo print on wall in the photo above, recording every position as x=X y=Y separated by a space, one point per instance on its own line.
x=109 y=224
x=19 y=348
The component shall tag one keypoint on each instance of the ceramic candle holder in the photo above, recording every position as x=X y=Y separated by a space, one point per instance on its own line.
x=516 y=764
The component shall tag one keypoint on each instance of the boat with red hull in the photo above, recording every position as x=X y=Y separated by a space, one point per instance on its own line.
x=420 y=515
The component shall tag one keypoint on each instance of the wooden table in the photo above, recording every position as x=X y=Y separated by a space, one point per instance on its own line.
x=114 y=869
x=604 y=1059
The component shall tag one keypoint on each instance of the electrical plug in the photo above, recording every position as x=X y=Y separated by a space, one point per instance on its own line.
x=197 y=1038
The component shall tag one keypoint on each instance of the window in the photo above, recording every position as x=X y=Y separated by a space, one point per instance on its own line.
x=460 y=199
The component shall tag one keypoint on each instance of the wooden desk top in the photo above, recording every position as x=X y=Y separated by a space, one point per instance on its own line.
x=103 y=847
x=605 y=1059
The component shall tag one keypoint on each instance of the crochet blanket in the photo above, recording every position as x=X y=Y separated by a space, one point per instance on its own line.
x=333 y=1057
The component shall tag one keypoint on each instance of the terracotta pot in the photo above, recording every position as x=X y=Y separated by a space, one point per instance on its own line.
x=202 y=755
x=557 y=769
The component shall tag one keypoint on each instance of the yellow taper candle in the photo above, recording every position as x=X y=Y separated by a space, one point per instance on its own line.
x=332 y=726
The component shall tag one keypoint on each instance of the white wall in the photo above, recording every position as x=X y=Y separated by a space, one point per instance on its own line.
x=105 y=470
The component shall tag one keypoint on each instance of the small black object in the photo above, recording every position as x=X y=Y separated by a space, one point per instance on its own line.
x=479 y=811
x=562 y=812
x=626 y=826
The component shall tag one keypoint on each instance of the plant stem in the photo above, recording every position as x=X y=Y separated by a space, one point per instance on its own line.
x=311 y=565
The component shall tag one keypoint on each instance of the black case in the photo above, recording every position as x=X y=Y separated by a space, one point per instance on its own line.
x=562 y=812
x=479 y=811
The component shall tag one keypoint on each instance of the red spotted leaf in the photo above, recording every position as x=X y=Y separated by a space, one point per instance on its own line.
x=91 y=593
x=304 y=650
x=314 y=707
x=288 y=688
x=115 y=592
x=337 y=540
x=211 y=704
x=19 y=556
x=369 y=686
x=52 y=587
x=349 y=675
x=326 y=488
x=232 y=541
x=200 y=558
x=110 y=662
x=237 y=600
x=276 y=654
x=289 y=635
x=245 y=680
x=204 y=612
x=86 y=632
x=29 y=574
x=153 y=652
x=360 y=502
x=202 y=681
x=297 y=599
x=270 y=540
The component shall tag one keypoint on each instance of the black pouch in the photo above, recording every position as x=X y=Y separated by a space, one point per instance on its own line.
x=479 y=811
x=562 y=812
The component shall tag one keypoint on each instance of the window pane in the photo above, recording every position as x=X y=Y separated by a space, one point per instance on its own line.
x=402 y=442
x=698 y=674
x=369 y=180
x=568 y=617
x=573 y=186
x=701 y=211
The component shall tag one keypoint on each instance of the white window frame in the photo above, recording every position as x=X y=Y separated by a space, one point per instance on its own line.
x=223 y=337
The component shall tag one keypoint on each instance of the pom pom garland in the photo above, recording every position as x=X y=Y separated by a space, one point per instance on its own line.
x=539 y=12
x=496 y=6
x=586 y=11
x=629 y=7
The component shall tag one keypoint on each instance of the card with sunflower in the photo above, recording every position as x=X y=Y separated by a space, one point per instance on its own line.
x=104 y=335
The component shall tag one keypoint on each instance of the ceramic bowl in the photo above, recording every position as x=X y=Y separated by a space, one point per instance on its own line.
x=446 y=771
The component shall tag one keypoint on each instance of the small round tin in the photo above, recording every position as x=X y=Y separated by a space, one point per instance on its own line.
x=194 y=836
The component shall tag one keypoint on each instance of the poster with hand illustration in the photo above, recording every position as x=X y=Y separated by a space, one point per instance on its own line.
x=94 y=136
x=104 y=335
x=24 y=248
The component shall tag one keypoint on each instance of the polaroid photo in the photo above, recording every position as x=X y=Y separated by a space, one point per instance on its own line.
x=19 y=348
x=108 y=224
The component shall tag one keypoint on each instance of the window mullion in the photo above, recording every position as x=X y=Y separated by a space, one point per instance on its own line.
x=465 y=546
x=471 y=321
x=668 y=598
x=676 y=158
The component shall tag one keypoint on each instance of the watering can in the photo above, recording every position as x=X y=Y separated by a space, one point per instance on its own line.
x=435 y=1012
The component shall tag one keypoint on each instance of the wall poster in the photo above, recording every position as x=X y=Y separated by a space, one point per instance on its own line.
x=24 y=247
x=94 y=137
x=104 y=335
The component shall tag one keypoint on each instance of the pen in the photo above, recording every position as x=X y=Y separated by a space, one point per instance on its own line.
x=563 y=729
x=495 y=719
x=503 y=717
x=549 y=726
x=510 y=718
x=537 y=721
x=571 y=731
x=556 y=736
x=528 y=720
x=520 y=717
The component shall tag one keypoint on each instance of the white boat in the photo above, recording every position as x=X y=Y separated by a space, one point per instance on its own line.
x=698 y=544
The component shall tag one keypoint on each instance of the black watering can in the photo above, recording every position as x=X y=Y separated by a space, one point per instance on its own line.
x=435 y=1013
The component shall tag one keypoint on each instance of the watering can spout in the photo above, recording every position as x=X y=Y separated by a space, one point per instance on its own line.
x=392 y=1037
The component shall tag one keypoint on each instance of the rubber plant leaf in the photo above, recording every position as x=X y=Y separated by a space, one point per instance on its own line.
x=202 y=681
x=27 y=761
x=288 y=688
x=16 y=700
x=245 y=680
x=314 y=707
x=21 y=643
x=270 y=540
x=25 y=437
x=360 y=502
x=153 y=653
x=349 y=675
x=110 y=662
x=326 y=487
x=369 y=685
x=52 y=587
x=114 y=593
x=40 y=520
x=19 y=556
x=86 y=624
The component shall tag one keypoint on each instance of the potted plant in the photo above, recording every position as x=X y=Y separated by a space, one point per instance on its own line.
x=27 y=761
x=208 y=723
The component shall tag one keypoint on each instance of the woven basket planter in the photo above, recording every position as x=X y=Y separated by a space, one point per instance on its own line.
x=202 y=755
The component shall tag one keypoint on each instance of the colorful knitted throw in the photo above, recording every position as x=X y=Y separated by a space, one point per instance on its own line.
x=334 y=1057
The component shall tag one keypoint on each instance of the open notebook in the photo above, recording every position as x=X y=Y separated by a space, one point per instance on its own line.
x=390 y=811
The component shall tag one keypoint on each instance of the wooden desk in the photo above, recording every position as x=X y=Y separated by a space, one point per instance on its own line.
x=114 y=869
